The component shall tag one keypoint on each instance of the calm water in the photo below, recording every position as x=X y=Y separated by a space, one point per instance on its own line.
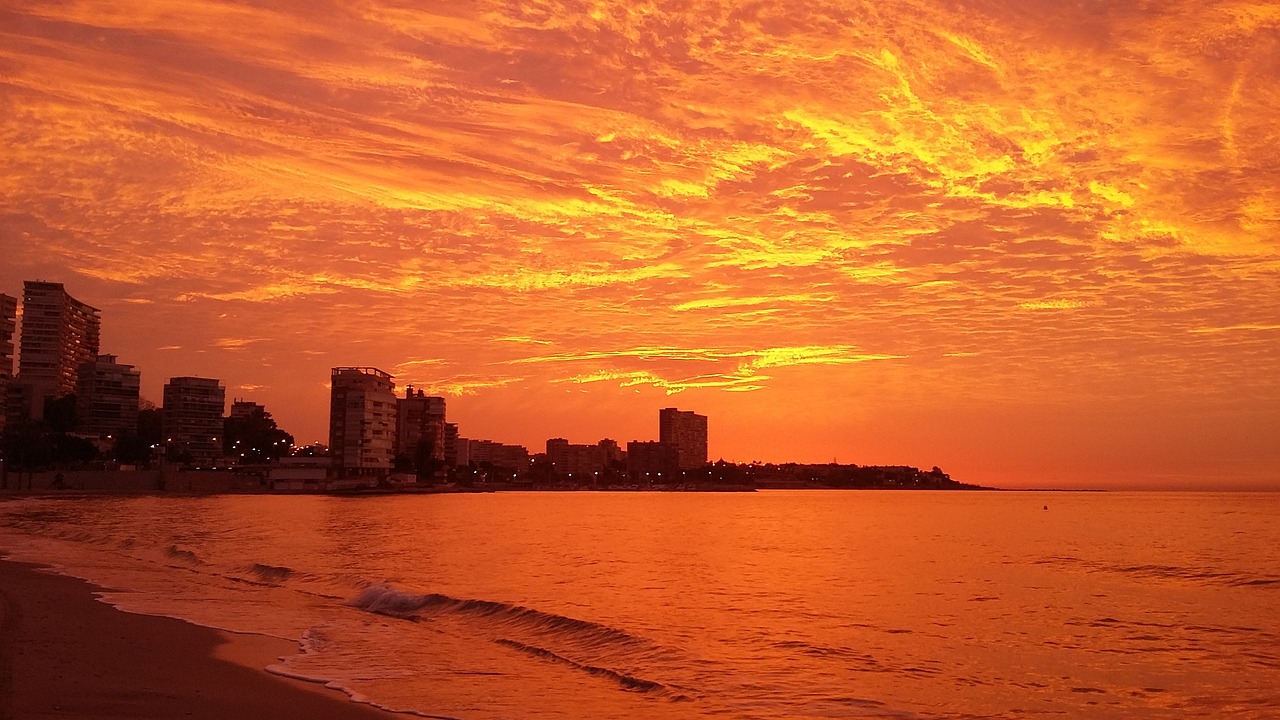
x=765 y=605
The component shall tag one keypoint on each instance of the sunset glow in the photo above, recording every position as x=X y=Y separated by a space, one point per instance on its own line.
x=1035 y=243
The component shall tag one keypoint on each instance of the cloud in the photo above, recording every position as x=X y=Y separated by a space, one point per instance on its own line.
x=703 y=195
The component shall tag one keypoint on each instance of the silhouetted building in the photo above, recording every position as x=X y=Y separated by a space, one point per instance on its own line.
x=572 y=460
x=687 y=431
x=8 y=320
x=420 y=432
x=20 y=402
x=193 y=415
x=652 y=462
x=107 y=398
x=478 y=452
x=451 y=444
x=8 y=324
x=362 y=425
x=59 y=334
x=244 y=409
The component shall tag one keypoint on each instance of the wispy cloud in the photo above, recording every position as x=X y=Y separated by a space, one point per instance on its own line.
x=706 y=195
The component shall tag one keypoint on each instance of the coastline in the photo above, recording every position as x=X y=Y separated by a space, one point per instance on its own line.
x=65 y=654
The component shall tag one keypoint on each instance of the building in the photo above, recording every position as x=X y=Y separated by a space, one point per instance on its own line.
x=362 y=425
x=299 y=473
x=573 y=460
x=451 y=445
x=59 y=334
x=420 y=432
x=8 y=323
x=244 y=409
x=687 y=431
x=107 y=398
x=652 y=463
x=193 y=417
x=477 y=452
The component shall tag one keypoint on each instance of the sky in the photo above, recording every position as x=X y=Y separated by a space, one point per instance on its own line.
x=1033 y=242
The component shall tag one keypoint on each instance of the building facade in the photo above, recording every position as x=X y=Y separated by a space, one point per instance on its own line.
x=574 y=460
x=107 y=398
x=652 y=463
x=420 y=432
x=451 y=444
x=362 y=424
x=500 y=455
x=244 y=409
x=687 y=431
x=193 y=419
x=8 y=324
x=59 y=334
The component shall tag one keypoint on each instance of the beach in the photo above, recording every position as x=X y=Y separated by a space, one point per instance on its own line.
x=65 y=654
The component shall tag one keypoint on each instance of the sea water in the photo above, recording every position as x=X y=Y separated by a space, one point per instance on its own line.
x=776 y=604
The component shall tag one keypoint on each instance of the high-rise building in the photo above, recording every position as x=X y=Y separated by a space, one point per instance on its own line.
x=8 y=319
x=107 y=398
x=420 y=432
x=193 y=420
x=362 y=423
x=59 y=334
x=451 y=444
x=652 y=463
x=687 y=431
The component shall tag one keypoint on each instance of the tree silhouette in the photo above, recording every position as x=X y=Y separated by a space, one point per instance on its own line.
x=255 y=438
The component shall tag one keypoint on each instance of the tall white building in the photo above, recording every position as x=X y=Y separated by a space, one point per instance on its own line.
x=362 y=424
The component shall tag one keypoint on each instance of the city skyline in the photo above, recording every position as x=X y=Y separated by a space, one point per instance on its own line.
x=373 y=432
x=1035 y=244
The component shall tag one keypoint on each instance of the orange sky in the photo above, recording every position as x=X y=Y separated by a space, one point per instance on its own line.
x=1033 y=242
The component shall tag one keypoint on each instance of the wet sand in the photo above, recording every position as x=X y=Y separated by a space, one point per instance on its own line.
x=63 y=654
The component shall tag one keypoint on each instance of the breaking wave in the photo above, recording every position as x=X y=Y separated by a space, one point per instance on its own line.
x=270 y=573
x=187 y=556
x=385 y=600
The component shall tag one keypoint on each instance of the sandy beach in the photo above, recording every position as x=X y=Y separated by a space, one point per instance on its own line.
x=63 y=654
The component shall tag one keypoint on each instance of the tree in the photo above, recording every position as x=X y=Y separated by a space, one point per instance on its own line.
x=136 y=448
x=28 y=446
x=60 y=414
x=255 y=438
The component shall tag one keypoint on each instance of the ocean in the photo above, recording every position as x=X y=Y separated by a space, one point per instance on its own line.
x=775 y=604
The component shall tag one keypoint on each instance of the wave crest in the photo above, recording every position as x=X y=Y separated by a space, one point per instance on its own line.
x=387 y=600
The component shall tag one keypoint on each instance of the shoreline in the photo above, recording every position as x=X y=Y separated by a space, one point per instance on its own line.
x=64 y=653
